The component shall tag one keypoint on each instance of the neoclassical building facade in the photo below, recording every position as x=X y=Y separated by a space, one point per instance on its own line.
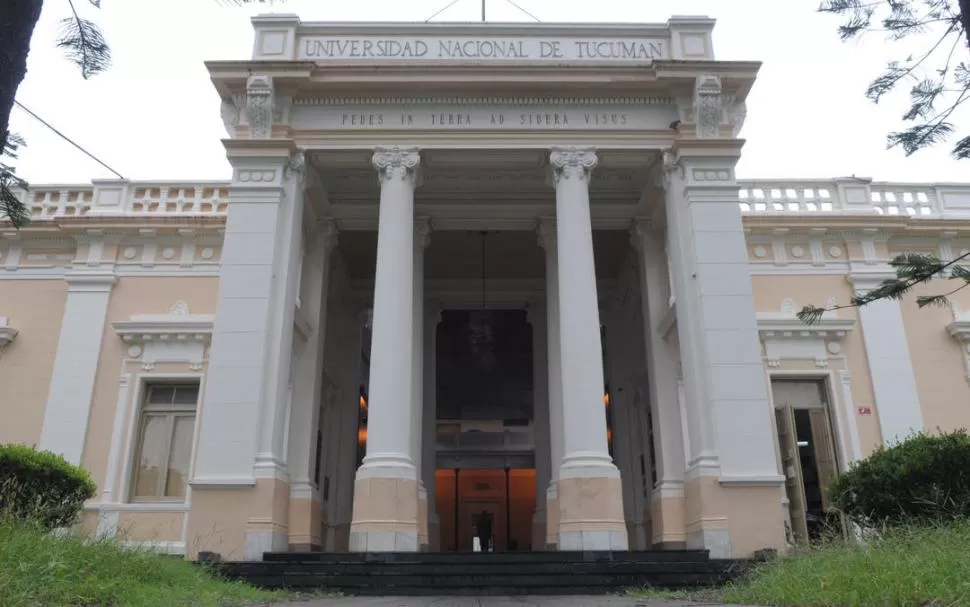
x=491 y=286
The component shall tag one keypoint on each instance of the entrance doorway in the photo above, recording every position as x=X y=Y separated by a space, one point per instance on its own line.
x=493 y=505
x=808 y=458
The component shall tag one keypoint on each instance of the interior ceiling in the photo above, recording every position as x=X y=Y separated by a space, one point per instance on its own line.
x=454 y=176
x=513 y=254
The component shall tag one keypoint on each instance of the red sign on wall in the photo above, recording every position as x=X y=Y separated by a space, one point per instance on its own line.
x=865 y=410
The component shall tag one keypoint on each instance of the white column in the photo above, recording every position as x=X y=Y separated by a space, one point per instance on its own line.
x=729 y=413
x=244 y=405
x=76 y=362
x=890 y=364
x=386 y=489
x=429 y=455
x=540 y=421
x=307 y=388
x=662 y=366
x=307 y=374
x=547 y=240
x=585 y=451
x=422 y=237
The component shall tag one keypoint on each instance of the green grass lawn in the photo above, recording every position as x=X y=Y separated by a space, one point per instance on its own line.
x=916 y=567
x=38 y=569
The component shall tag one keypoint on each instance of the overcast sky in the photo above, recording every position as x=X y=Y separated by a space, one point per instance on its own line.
x=155 y=114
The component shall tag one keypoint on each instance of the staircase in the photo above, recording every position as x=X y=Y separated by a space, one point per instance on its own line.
x=477 y=573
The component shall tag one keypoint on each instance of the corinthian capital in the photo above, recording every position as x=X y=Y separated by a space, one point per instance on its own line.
x=572 y=163
x=396 y=163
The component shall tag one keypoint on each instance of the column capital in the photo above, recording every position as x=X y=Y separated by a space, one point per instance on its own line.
x=546 y=232
x=572 y=163
x=422 y=232
x=397 y=163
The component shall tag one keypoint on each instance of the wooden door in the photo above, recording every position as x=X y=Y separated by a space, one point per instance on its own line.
x=792 y=467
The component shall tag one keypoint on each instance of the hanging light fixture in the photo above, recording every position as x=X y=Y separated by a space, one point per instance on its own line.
x=480 y=328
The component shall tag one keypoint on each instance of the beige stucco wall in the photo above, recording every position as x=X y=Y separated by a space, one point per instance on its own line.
x=938 y=359
x=35 y=308
x=151 y=526
x=132 y=296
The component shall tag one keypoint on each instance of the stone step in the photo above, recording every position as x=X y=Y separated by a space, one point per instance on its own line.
x=490 y=557
x=442 y=574
x=453 y=569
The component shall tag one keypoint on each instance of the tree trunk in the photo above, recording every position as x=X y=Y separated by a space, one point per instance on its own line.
x=17 y=21
x=965 y=18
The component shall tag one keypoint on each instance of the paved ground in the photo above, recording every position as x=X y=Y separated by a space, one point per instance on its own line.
x=554 y=601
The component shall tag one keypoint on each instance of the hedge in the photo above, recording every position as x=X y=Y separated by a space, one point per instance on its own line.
x=921 y=479
x=41 y=487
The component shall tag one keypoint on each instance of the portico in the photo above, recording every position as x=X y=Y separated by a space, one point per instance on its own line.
x=362 y=212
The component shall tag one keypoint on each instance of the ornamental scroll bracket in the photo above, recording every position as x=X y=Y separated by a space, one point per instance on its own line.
x=260 y=109
x=708 y=106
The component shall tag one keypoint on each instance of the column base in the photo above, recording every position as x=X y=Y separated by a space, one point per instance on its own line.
x=306 y=522
x=385 y=515
x=260 y=539
x=434 y=532
x=733 y=520
x=552 y=517
x=539 y=529
x=590 y=505
x=239 y=522
x=423 y=539
x=667 y=511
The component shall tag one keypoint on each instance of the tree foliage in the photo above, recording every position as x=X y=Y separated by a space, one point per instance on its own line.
x=83 y=44
x=938 y=74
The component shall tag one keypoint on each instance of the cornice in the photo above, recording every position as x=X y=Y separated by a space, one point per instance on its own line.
x=167 y=328
x=605 y=30
x=773 y=325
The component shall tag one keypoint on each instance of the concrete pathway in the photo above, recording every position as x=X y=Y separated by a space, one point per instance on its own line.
x=552 y=601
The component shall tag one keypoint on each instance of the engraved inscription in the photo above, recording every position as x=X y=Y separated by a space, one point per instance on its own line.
x=437 y=48
x=467 y=120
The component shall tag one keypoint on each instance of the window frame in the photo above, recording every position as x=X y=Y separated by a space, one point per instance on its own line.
x=171 y=412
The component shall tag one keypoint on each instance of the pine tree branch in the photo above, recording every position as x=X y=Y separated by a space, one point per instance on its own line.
x=908 y=275
x=84 y=43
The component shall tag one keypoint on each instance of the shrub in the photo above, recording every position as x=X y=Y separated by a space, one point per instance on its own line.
x=41 y=487
x=922 y=479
